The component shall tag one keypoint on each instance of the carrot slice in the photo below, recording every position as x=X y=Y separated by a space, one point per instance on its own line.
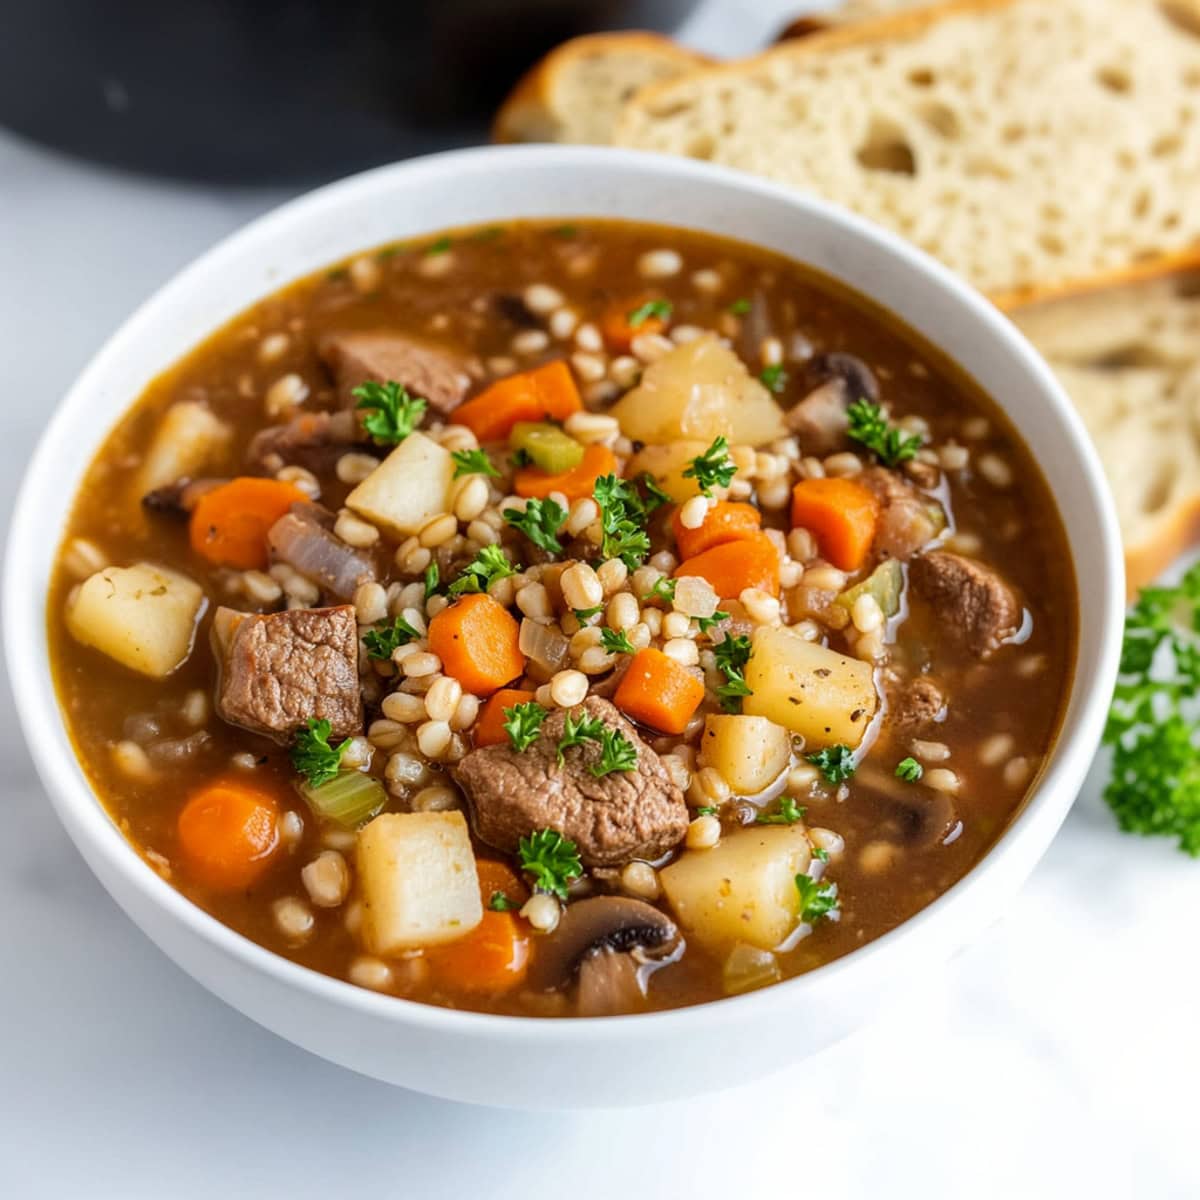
x=658 y=691
x=496 y=877
x=732 y=567
x=576 y=484
x=229 y=525
x=228 y=834
x=493 y=957
x=546 y=392
x=616 y=330
x=488 y=729
x=841 y=514
x=477 y=640
x=726 y=521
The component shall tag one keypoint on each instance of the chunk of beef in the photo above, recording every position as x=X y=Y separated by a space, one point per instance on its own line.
x=279 y=669
x=358 y=356
x=179 y=498
x=908 y=518
x=618 y=817
x=304 y=538
x=917 y=704
x=315 y=440
x=971 y=600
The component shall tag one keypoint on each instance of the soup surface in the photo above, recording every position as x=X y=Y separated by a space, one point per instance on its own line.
x=563 y=619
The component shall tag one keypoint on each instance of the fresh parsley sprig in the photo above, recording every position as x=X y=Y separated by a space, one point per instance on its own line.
x=540 y=523
x=617 y=752
x=870 y=428
x=623 y=520
x=381 y=642
x=662 y=589
x=551 y=859
x=706 y=623
x=473 y=462
x=657 y=309
x=713 y=468
x=789 y=813
x=836 y=763
x=523 y=723
x=775 y=378
x=313 y=756
x=500 y=902
x=732 y=654
x=616 y=641
x=490 y=564
x=909 y=770
x=392 y=413
x=817 y=900
x=576 y=731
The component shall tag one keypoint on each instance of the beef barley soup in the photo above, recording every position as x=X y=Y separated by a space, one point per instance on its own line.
x=563 y=620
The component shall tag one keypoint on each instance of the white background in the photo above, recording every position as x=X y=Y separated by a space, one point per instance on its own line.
x=1059 y=1056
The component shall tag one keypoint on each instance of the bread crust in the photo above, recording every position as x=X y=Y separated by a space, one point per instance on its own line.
x=528 y=104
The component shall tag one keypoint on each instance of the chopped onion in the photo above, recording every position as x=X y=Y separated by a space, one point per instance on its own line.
x=747 y=968
x=694 y=596
x=349 y=798
x=543 y=644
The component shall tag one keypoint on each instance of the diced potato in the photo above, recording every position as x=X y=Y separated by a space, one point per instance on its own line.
x=143 y=616
x=190 y=439
x=666 y=465
x=742 y=890
x=700 y=390
x=824 y=696
x=419 y=883
x=749 y=752
x=407 y=488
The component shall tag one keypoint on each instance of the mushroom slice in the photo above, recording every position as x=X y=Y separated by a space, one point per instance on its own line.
x=858 y=378
x=602 y=943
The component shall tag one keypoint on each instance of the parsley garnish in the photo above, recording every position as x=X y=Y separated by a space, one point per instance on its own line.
x=774 y=377
x=584 y=615
x=836 y=763
x=432 y=579
x=659 y=309
x=821 y=854
x=817 y=900
x=540 y=521
x=707 y=810
x=523 y=722
x=381 y=642
x=617 y=753
x=520 y=458
x=1152 y=726
x=440 y=246
x=392 y=413
x=713 y=468
x=706 y=623
x=662 y=589
x=616 y=641
x=657 y=496
x=577 y=730
x=909 y=770
x=870 y=428
x=789 y=813
x=565 y=231
x=623 y=521
x=732 y=654
x=473 y=462
x=313 y=756
x=740 y=307
x=501 y=903
x=490 y=564
x=551 y=859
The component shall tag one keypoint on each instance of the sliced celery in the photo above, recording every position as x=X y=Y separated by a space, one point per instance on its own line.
x=884 y=583
x=547 y=445
x=349 y=798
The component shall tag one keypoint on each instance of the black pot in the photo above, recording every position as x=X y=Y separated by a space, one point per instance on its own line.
x=257 y=90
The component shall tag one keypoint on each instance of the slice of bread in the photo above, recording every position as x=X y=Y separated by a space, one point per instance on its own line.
x=1028 y=144
x=1130 y=360
x=577 y=91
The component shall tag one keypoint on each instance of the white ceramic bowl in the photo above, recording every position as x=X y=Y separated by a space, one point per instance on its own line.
x=506 y=1060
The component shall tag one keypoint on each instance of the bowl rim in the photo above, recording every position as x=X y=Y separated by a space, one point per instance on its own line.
x=86 y=820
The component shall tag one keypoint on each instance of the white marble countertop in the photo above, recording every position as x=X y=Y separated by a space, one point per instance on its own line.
x=1058 y=1056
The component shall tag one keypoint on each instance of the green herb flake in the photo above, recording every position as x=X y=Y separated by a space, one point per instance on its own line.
x=775 y=378
x=440 y=246
x=551 y=859
x=392 y=414
x=713 y=468
x=653 y=309
x=740 y=307
x=657 y=497
x=576 y=731
x=623 y=521
x=313 y=756
x=817 y=900
x=473 y=462
x=499 y=902
x=432 y=579
x=540 y=523
x=616 y=641
x=707 y=810
x=820 y=854
x=869 y=427
x=662 y=589
x=909 y=770
x=617 y=753
x=836 y=763
x=789 y=813
x=523 y=723
x=584 y=615
x=732 y=654
x=706 y=623
x=381 y=642
x=490 y=564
